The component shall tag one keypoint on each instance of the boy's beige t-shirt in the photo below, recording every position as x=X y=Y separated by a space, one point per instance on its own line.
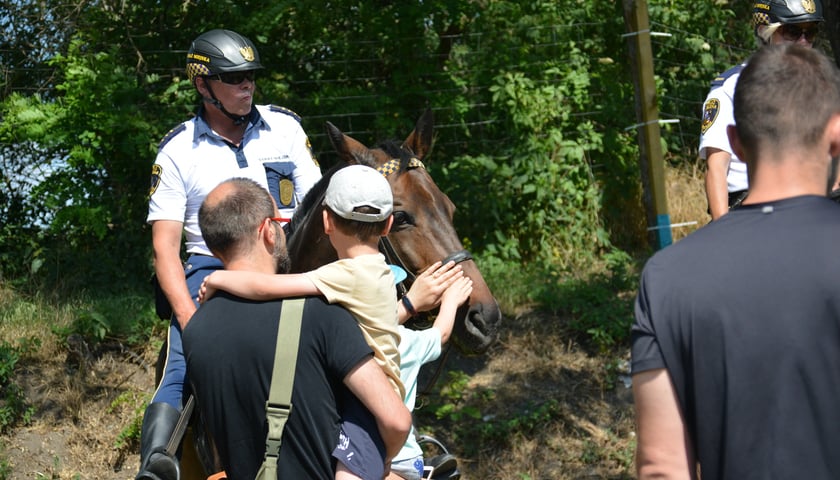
x=364 y=285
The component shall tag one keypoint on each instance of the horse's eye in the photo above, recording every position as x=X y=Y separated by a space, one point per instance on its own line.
x=402 y=220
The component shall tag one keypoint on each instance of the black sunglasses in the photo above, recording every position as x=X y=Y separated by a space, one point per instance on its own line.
x=793 y=33
x=235 y=78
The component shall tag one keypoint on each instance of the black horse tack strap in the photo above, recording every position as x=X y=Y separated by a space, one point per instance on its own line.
x=279 y=404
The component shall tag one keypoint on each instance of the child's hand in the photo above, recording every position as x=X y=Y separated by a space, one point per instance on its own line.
x=458 y=292
x=425 y=293
x=206 y=291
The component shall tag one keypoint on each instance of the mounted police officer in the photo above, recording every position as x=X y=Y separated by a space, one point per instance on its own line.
x=774 y=22
x=228 y=137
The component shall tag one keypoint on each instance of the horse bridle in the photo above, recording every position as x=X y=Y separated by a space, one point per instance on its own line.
x=393 y=258
x=385 y=245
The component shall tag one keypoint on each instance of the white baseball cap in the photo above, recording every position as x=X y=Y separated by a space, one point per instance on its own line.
x=357 y=186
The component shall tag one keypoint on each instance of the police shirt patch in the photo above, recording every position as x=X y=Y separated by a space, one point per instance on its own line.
x=710 y=113
x=287 y=191
x=156 y=171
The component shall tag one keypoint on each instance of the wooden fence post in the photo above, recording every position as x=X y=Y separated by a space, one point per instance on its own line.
x=647 y=115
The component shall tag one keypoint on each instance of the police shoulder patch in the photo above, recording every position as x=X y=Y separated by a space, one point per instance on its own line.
x=710 y=113
x=171 y=134
x=157 y=170
x=278 y=108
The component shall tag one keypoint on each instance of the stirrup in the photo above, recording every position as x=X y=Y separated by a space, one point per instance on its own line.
x=443 y=466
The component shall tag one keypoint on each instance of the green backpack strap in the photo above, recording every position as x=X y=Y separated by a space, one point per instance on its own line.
x=279 y=404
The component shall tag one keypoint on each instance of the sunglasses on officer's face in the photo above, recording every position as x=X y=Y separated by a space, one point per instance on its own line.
x=792 y=33
x=235 y=78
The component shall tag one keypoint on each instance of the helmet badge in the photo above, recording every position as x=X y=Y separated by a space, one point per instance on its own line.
x=248 y=52
x=809 y=6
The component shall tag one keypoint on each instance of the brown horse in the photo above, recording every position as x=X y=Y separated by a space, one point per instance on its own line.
x=422 y=232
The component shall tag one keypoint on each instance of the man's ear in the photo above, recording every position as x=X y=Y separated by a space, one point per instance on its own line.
x=832 y=134
x=735 y=141
x=269 y=234
x=201 y=86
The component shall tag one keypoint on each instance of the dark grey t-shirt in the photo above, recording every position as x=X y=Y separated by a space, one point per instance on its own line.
x=229 y=345
x=745 y=316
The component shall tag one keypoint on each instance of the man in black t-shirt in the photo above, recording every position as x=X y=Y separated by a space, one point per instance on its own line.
x=230 y=344
x=736 y=343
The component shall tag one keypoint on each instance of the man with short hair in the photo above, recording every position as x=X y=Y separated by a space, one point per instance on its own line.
x=230 y=345
x=736 y=350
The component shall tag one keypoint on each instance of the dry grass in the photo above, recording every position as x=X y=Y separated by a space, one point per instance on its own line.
x=686 y=197
x=548 y=409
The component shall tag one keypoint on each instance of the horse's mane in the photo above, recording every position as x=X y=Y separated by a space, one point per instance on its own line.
x=312 y=200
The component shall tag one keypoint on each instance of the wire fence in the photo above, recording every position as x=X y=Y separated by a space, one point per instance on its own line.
x=682 y=105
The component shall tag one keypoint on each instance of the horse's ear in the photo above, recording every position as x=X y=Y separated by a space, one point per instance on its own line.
x=348 y=148
x=419 y=140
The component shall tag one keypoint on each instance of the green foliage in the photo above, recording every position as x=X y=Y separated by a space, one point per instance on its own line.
x=460 y=410
x=13 y=408
x=600 y=304
x=128 y=317
x=533 y=103
x=5 y=468
x=453 y=395
x=130 y=434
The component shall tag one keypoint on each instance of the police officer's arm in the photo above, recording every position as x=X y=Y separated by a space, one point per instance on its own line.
x=717 y=166
x=307 y=171
x=166 y=243
x=370 y=385
x=663 y=448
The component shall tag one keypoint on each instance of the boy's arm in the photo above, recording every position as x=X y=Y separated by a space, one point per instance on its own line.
x=425 y=293
x=258 y=286
x=453 y=297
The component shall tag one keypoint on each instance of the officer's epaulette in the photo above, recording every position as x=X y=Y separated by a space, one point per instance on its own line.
x=278 y=108
x=171 y=134
x=720 y=79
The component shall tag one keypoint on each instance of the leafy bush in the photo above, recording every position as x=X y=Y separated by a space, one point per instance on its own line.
x=13 y=408
x=127 y=318
x=600 y=304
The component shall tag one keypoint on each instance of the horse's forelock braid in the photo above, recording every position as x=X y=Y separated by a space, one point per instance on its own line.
x=394 y=150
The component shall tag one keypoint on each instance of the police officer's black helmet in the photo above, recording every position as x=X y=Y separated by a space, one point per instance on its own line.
x=769 y=12
x=220 y=51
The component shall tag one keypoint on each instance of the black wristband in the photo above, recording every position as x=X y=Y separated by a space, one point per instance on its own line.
x=408 y=306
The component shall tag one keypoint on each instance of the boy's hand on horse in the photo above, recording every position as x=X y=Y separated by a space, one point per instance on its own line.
x=426 y=291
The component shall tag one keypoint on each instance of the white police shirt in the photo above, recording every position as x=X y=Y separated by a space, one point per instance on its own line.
x=192 y=160
x=717 y=115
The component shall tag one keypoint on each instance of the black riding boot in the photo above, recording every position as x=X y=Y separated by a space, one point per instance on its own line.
x=158 y=425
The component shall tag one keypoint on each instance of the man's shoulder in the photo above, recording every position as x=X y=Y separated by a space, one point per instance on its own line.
x=277 y=113
x=731 y=73
x=179 y=131
x=317 y=307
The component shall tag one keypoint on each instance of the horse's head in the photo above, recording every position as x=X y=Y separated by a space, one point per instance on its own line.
x=422 y=233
